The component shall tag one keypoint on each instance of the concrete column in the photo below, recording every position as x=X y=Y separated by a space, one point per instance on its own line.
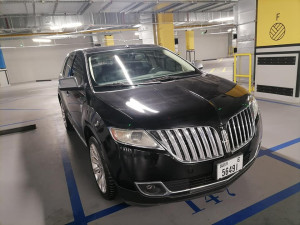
x=109 y=40
x=165 y=31
x=189 y=40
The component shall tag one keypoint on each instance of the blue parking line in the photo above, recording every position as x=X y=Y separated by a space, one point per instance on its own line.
x=78 y=213
x=281 y=103
x=106 y=212
x=259 y=206
x=284 y=160
x=284 y=145
x=80 y=218
x=270 y=152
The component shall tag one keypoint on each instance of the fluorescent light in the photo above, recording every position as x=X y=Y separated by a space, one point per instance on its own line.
x=41 y=40
x=222 y=19
x=137 y=33
x=67 y=25
x=219 y=33
x=137 y=25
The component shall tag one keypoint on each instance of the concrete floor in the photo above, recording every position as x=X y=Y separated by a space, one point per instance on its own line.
x=45 y=175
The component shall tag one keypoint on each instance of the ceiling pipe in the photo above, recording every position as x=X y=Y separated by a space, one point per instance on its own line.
x=150 y=5
x=202 y=7
x=84 y=7
x=184 y=6
x=134 y=7
x=55 y=7
x=216 y=6
x=171 y=6
x=105 y=6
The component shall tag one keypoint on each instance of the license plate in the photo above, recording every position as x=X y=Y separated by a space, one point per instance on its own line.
x=229 y=167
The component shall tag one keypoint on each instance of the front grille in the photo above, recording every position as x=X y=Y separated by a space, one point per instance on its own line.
x=192 y=144
x=240 y=129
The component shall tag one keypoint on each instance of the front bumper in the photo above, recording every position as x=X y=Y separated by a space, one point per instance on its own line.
x=181 y=181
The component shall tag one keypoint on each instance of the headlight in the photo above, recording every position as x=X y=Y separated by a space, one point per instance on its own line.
x=139 y=138
x=254 y=106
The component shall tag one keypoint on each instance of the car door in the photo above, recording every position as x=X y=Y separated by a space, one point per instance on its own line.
x=77 y=98
x=67 y=71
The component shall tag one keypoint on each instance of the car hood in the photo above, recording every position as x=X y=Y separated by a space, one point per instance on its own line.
x=195 y=101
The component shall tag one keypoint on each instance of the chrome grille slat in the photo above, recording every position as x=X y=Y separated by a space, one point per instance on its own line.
x=219 y=143
x=240 y=128
x=231 y=137
x=164 y=140
x=212 y=141
x=247 y=128
x=183 y=145
x=243 y=128
x=190 y=143
x=205 y=142
x=175 y=145
x=236 y=137
x=198 y=143
x=250 y=121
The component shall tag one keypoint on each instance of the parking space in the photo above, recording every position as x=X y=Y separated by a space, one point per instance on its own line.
x=46 y=178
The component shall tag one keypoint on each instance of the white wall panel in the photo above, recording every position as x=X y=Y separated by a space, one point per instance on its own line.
x=38 y=63
x=207 y=46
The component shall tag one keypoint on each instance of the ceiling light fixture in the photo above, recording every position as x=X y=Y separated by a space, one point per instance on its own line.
x=224 y=19
x=41 y=40
x=137 y=25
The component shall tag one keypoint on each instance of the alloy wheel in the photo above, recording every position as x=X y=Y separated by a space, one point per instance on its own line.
x=98 y=168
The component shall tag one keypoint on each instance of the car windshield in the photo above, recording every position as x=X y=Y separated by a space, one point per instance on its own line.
x=137 y=66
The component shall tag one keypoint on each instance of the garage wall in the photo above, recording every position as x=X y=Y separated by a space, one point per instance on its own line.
x=207 y=46
x=121 y=38
x=26 y=64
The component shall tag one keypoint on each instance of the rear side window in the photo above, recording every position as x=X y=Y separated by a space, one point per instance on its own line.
x=78 y=67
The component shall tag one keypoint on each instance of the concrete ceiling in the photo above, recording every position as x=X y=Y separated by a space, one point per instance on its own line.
x=19 y=17
x=79 y=7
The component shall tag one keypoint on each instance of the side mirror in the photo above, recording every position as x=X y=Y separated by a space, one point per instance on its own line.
x=199 y=65
x=69 y=84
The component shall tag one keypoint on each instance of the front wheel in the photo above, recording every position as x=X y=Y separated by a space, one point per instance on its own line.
x=103 y=178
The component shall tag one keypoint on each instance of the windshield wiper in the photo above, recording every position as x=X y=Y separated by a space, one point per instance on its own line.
x=117 y=84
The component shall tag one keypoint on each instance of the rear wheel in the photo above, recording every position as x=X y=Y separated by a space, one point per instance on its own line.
x=103 y=178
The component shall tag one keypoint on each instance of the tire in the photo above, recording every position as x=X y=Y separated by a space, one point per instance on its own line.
x=101 y=173
x=65 y=118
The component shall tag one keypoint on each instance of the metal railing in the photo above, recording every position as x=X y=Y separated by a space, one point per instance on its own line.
x=249 y=75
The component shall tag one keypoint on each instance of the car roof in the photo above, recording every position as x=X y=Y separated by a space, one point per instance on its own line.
x=116 y=47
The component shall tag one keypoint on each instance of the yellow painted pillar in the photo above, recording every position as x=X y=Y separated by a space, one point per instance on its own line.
x=109 y=40
x=165 y=31
x=189 y=39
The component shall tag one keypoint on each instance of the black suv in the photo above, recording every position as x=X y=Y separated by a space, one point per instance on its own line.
x=158 y=128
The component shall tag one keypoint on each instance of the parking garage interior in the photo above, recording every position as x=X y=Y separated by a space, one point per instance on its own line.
x=45 y=171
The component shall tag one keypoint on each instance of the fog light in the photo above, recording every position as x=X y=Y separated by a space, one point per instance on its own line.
x=152 y=188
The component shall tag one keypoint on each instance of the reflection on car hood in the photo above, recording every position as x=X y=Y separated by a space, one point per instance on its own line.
x=194 y=101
